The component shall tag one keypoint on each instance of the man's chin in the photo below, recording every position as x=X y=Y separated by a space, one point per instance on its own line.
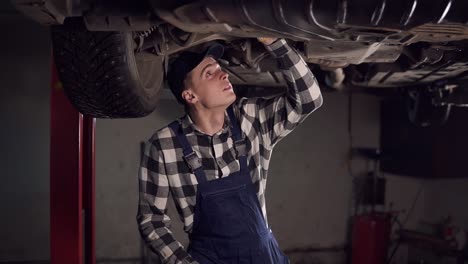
x=228 y=101
x=234 y=97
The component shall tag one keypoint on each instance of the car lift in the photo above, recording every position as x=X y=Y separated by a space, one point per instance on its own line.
x=72 y=175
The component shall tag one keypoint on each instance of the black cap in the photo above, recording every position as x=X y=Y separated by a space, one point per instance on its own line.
x=185 y=63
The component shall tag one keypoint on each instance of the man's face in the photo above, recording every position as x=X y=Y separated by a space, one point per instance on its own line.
x=210 y=86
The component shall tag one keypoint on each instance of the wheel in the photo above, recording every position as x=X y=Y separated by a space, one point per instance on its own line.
x=422 y=111
x=102 y=75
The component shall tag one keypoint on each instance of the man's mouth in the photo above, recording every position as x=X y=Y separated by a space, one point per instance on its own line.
x=228 y=87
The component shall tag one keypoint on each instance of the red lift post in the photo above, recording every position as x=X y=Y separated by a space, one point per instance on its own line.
x=72 y=177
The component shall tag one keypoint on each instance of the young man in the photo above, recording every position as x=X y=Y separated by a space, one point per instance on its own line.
x=215 y=160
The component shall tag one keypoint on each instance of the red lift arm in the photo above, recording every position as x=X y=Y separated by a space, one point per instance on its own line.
x=72 y=197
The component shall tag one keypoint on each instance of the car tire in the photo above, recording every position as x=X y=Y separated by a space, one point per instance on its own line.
x=102 y=75
x=422 y=111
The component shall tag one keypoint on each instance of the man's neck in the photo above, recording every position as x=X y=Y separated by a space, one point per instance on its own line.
x=209 y=121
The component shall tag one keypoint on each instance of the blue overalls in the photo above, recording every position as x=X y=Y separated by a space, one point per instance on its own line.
x=228 y=227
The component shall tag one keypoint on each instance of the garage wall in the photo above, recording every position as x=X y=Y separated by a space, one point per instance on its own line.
x=447 y=197
x=310 y=185
x=24 y=139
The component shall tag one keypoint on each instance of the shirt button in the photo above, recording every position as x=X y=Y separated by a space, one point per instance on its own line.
x=220 y=162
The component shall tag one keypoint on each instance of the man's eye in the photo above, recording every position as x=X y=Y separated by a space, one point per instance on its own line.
x=208 y=74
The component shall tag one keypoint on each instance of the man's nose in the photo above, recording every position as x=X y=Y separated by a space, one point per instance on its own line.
x=224 y=75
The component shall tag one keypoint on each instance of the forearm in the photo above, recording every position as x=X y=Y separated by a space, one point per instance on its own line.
x=278 y=116
x=303 y=93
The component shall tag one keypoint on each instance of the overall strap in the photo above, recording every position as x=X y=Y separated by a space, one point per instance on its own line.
x=190 y=157
x=239 y=142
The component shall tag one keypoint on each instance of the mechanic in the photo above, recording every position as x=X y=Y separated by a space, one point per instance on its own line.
x=214 y=160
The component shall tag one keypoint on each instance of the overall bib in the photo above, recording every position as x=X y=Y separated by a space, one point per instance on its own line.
x=228 y=227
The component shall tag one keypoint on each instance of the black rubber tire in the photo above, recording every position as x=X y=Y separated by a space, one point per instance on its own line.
x=101 y=74
x=421 y=110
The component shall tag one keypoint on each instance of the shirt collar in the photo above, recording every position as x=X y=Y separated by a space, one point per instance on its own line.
x=188 y=126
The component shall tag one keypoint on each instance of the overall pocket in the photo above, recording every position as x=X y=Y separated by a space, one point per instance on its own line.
x=222 y=213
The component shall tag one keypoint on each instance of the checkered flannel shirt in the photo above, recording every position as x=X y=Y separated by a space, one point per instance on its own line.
x=264 y=122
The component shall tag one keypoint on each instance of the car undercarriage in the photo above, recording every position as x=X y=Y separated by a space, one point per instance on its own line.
x=112 y=55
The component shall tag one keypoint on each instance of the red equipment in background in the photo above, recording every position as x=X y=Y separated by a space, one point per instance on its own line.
x=72 y=190
x=371 y=238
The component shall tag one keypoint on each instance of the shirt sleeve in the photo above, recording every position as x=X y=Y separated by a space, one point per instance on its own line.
x=279 y=115
x=152 y=218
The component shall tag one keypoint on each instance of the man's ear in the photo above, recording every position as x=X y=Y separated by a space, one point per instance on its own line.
x=189 y=96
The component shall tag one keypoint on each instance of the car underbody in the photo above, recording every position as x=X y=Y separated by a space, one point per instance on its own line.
x=378 y=46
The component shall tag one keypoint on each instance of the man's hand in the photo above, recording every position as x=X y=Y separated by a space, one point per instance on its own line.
x=267 y=40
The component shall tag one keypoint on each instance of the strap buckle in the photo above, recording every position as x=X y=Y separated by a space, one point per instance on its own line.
x=193 y=161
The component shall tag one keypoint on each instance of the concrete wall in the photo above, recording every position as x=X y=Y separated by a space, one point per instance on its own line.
x=24 y=139
x=447 y=197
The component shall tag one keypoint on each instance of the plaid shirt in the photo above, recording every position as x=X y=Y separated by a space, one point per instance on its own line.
x=264 y=122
